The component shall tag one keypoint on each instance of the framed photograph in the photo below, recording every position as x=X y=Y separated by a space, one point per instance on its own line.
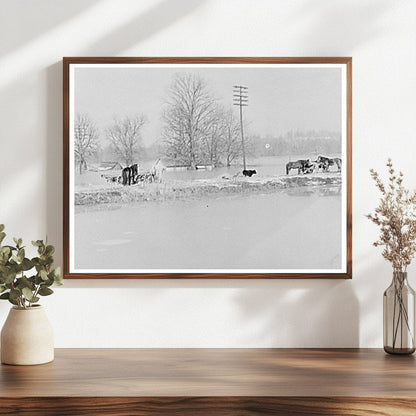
x=207 y=167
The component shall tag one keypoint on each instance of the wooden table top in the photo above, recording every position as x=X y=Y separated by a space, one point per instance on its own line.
x=214 y=372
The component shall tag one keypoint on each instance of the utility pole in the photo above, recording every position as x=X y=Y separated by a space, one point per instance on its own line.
x=241 y=99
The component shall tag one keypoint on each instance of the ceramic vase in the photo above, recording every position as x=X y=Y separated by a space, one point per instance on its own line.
x=27 y=337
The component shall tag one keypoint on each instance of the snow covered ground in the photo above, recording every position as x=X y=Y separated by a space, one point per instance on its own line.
x=106 y=193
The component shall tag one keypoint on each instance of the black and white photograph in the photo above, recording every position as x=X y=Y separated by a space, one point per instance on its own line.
x=207 y=168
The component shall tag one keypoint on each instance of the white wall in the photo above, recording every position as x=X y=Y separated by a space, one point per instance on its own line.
x=380 y=35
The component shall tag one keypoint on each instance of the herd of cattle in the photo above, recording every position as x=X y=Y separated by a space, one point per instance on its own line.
x=308 y=166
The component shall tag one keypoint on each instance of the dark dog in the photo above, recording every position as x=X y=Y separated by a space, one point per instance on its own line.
x=249 y=172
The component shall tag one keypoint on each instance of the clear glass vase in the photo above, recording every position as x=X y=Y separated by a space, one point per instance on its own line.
x=399 y=316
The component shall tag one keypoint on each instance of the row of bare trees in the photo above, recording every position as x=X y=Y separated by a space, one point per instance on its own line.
x=124 y=136
x=197 y=129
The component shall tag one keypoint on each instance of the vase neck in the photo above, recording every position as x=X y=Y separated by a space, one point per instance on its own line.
x=400 y=276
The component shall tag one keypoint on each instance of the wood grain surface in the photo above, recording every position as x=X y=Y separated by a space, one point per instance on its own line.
x=212 y=381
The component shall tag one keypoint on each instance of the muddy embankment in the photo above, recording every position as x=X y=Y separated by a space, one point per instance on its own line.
x=180 y=190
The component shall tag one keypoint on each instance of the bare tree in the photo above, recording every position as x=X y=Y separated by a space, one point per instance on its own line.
x=125 y=137
x=188 y=113
x=212 y=143
x=231 y=139
x=85 y=140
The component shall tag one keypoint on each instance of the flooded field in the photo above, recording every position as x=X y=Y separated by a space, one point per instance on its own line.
x=265 y=167
x=295 y=229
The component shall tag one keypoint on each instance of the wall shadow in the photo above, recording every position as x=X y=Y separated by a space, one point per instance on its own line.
x=336 y=18
x=54 y=146
x=157 y=18
x=38 y=18
x=301 y=313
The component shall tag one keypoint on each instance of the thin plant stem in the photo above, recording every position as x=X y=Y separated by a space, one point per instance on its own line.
x=401 y=315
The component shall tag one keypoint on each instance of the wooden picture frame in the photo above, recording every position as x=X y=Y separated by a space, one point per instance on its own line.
x=281 y=208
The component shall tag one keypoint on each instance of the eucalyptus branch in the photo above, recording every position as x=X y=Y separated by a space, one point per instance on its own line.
x=23 y=280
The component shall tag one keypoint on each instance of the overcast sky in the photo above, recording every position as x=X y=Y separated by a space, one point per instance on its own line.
x=280 y=99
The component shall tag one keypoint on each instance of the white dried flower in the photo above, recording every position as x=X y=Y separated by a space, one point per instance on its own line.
x=396 y=217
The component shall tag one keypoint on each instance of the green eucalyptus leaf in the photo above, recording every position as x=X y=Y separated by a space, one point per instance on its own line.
x=26 y=264
x=24 y=282
x=58 y=280
x=45 y=291
x=21 y=255
x=2 y=236
x=15 y=294
x=43 y=274
x=2 y=226
x=49 y=250
x=37 y=280
x=27 y=293
x=9 y=277
x=3 y=258
x=2 y=288
x=5 y=250
x=48 y=260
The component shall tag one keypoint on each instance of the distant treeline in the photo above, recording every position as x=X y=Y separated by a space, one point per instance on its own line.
x=297 y=143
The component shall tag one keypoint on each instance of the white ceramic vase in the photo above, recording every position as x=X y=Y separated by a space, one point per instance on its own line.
x=27 y=337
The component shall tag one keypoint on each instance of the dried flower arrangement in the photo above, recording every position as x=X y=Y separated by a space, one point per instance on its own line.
x=396 y=217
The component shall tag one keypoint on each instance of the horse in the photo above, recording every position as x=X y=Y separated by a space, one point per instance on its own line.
x=326 y=162
x=302 y=165
x=129 y=174
x=311 y=167
x=157 y=171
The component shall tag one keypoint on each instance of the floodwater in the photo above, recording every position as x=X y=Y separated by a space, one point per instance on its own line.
x=265 y=167
x=297 y=230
